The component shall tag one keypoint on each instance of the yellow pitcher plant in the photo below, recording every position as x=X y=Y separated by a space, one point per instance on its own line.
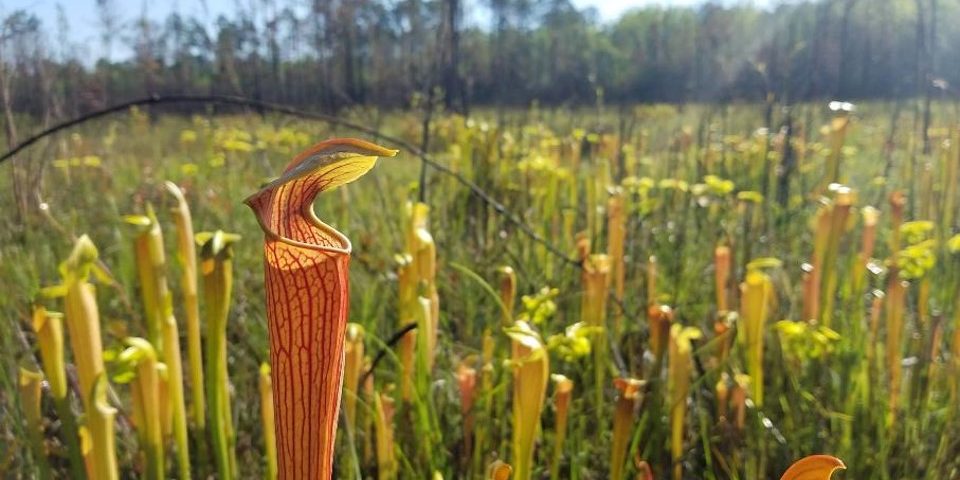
x=616 y=237
x=100 y=425
x=417 y=278
x=48 y=327
x=680 y=370
x=562 y=391
x=531 y=369
x=840 y=205
x=162 y=329
x=30 y=383
x=756 y=296
x=187 y=257
x=83 y=323
x=352 y=370
x=383 y=407
x=595 y=278
x=216 y=266
x=267 y=419
x=144 y=373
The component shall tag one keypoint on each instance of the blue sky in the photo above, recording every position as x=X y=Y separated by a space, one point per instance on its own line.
x=84 y=25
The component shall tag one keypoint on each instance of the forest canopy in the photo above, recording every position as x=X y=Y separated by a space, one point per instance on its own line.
x=336 y=53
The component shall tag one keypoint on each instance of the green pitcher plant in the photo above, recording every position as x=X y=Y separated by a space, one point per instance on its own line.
x=187 y=257
x=216 y=266
x=162 y=329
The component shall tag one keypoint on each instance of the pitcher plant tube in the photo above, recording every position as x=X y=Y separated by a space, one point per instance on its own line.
x=307 y=289
x=680 y=372
x=531 y=370
x=143 y=372
x=187 y=257
x=629 y=396
x=48 y=327
x=30 y=383
x=562 y=391
x=757 y=295
x=353 y=370
x=266 y=417
x=417 y=282
x=216 y=265
x=101 y=418
x=83 y=324
x=161 y=325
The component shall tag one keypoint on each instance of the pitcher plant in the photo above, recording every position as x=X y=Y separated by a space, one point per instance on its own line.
x=307 y=288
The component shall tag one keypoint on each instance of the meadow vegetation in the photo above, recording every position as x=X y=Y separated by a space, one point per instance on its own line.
x=706 y=295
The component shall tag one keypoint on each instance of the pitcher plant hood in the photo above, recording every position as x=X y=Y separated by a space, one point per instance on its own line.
x=284 y=206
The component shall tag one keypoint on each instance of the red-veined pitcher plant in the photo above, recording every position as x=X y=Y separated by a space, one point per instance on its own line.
x=307 y=284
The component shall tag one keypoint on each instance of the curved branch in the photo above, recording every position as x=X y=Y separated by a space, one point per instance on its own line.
x=393 y=340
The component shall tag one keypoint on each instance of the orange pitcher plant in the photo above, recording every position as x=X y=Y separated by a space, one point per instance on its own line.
x=307 y=285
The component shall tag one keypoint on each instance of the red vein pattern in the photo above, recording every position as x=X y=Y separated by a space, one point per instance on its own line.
x=307 y=283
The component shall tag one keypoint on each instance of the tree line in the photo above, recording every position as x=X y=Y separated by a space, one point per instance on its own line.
x=331 y=54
